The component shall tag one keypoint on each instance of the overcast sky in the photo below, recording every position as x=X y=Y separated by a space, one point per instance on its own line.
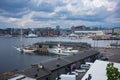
x=49 y=13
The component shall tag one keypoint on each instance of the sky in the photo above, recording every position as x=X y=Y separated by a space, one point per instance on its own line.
x=65 y=13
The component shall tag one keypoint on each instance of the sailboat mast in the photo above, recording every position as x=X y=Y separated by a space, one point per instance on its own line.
x=21 y=33
x=11 y=32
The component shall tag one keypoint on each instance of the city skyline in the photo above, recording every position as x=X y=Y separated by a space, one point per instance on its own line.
x=66 y=13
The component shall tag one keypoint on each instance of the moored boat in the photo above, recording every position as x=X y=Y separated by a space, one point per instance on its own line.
x=31 y=35
x=26 y=49
x=61 y=50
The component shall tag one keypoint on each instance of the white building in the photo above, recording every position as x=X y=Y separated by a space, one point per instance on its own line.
x=98 y=70
x=89 y=33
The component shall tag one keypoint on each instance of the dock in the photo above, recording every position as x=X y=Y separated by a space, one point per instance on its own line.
x=43 y=51
x=42 y=47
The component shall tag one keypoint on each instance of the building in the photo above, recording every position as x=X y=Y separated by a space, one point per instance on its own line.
x=65 y=32
x=75 y=45
x=89 y=33
x=51 y=69
x=108 y=31
x=79 y=28
x=48 y=32
x=57 y=27
x=98 y=70
x=117 y=30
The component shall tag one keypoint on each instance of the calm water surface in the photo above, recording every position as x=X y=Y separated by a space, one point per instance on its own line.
x=11 y=59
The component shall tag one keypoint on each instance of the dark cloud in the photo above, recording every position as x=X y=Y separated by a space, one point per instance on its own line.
x=57 y=16
x=42 y=19
x=13 y=8
x=99 y=16
x=46 y=6
x=18 y=8
x=13 y=14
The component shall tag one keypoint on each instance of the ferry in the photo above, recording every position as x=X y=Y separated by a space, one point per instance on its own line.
x=31 y=35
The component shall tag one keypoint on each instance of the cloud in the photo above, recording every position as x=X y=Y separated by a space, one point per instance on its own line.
x=54 y=12
x=43 y=6
x=25 y=19
x=14 y=8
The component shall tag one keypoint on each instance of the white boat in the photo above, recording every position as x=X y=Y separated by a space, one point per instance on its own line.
x=31 y=35
x=60 y=50
x=70 y=50
x=26 y=50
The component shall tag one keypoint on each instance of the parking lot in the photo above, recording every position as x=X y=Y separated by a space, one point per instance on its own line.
x=113 y=54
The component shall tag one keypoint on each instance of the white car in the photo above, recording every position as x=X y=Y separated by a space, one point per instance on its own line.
x=85 y=66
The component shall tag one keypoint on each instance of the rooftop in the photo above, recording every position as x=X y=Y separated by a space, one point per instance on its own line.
x=54 y=64
x=81 y=44
x=98 y=70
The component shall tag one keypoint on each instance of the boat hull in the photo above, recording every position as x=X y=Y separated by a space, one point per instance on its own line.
x=23 y=50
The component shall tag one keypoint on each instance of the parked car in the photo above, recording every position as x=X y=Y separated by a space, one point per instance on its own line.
x=104 y=58
x=85 y=66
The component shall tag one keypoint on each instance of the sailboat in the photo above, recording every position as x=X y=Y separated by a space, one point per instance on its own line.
x=26 y=50
x=23 y=49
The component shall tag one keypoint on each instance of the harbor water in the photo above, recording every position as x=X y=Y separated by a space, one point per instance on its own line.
x=12 y=60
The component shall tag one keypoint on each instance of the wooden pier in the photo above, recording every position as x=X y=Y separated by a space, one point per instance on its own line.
x=42 y=47
x=43 y=51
